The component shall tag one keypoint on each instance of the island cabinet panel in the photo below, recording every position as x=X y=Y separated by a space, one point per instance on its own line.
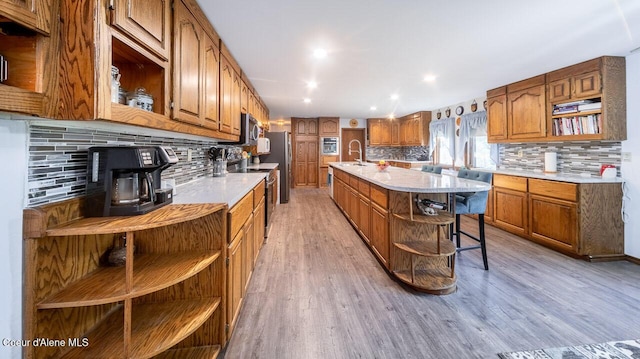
x=380 y=233
x=148 y=22
x=235 y=282
x=364 y=217
x=164 y=295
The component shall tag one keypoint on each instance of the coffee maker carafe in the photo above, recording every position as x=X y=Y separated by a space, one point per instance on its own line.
x=124 y=181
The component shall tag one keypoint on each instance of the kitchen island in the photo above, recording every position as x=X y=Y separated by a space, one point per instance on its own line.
x=413 y=247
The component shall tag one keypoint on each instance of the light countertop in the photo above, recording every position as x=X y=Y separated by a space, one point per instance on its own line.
x=405 y=180
x=228 y=189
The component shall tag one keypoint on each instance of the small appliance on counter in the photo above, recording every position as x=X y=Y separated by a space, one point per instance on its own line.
x=219 y=159
x=125 y=180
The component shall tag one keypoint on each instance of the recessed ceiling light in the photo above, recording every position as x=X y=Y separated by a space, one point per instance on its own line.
x=307 y=100
x=430 y=78
x=319 y=53
x=392 y=116
x=395 y=96
x=312 y=84
x=373 y=108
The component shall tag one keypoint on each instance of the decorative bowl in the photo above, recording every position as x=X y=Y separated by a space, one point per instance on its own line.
x=382 y=167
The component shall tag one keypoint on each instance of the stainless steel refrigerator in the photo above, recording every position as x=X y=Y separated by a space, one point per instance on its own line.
x=281 y=154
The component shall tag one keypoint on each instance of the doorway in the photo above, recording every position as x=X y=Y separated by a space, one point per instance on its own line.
x=349 y=134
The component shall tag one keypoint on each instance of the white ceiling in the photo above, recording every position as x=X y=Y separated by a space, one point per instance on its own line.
x=380 y=47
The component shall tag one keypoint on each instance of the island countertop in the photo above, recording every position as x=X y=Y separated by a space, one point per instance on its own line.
x=405 y=180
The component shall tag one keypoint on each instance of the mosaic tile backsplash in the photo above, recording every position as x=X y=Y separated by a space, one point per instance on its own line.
x=58 y=159
x=414 y=153
x=573 y=157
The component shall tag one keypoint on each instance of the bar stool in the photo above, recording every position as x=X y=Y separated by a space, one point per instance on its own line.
x=432 y=169
x=472 y=203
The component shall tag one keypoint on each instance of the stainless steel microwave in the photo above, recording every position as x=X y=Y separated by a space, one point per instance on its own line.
x=330 y=145
x=249 y=131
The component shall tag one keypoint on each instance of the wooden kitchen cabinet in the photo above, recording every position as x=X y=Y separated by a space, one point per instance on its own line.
x=196 y=68
x=397 y=134
x=306 y=162
x=414 y=129
x=526 y=109
x=235 y=287
x=601 y=80
x=172 y=279
x=33 y=78
x=329 y=126
x=379 y=130
x=510 y=203
x=380 y=233
x=306 y=126
x=32 y=14
x=148 y=22
x=497 y=114
x=553 y=221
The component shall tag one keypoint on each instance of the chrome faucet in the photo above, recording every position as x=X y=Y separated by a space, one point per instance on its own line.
x=359 y=160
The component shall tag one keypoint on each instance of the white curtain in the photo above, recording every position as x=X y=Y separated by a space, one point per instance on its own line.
x=446 y=128
x=474 y=124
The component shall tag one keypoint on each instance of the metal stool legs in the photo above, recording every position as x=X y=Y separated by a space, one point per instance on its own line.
x=481 y=239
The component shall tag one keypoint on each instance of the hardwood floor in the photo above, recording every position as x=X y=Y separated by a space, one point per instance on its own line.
x=318 y=292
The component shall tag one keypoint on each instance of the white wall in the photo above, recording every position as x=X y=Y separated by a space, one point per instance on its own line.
x=631 y=170
x=13 y=156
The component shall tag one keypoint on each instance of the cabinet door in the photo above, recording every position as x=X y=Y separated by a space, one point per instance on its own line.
x=312 y=127
x=312 y=163
x=146 y=21
x=510 y=210
x=395 y=133
x=244 y=98
x=211 y=80
x=236 y=87
x=553 y=221
x=560 y=90
x=187 y=82
x=33 y=14
x=364 y=213
x=354 y=206
x=587 y=85
x=258 y=227
x=497 y=118
x=374 y=132
x=380 y=233
x=226 y=80
x=526 y=113
x=329 y=127
x=247 y=253
x=234 y=280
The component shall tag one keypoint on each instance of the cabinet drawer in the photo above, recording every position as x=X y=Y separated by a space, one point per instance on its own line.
x=380 y=196
x=364 y=187
x=561 y=190
x=511 y=182
x=239 y=214
x=353 y=182
x=258 y=194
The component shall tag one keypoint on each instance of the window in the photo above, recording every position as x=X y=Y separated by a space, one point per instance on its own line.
x=442 y=154
x=479 y=153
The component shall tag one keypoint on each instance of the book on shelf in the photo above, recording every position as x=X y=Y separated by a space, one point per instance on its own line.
x=577 y=125
x=590 y=106
x=562 y=109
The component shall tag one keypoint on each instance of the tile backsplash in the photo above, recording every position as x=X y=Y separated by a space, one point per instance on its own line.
x=412 y=153
x=573 y=157
x=58 y=158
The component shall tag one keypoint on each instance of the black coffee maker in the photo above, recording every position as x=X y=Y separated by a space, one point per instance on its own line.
x=125 y=180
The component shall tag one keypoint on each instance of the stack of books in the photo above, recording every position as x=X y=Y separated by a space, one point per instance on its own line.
x=577 y=106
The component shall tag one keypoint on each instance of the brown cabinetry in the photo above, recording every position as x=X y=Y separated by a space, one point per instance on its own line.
x=577 y=219
x=497 y=114
x=526 y=110
x=409 y=130
x=380 y=233
x=196 y=67
x=306 y=166
x=306 y=126
x=148 y=22
x=379 y=130
x=329 y=127
x=32 y=14
x=597 y=91
x=173 y=279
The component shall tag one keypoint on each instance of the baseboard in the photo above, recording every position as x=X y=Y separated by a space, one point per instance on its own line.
x=632 y=259
x=606 y=258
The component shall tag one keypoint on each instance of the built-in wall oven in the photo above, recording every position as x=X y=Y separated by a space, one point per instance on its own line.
x=330 y=146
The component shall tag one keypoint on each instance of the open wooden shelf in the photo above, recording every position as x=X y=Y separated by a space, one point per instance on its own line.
x=431 y=280
x=205 y=352
x=442 y=218
x=171 y=214
x=154 y=328
x=427 y=248
x=152 y=272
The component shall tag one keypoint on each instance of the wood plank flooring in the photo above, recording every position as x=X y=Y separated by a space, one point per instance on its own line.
x=318 y=292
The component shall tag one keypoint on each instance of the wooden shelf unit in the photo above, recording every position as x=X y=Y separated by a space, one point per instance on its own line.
x=423 y=257
x=168 y=295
